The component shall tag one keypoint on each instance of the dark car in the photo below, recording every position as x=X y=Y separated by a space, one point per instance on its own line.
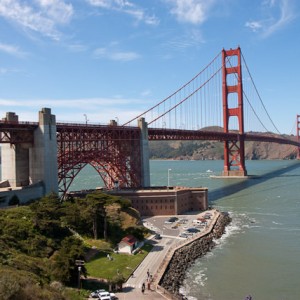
x=192 y=230
x=171 y=220
x=157 y=236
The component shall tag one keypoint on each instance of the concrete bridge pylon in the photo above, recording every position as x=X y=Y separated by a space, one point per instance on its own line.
x=25 y=164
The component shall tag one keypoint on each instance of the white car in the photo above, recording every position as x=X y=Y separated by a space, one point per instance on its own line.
x=104 y=296
x=113 y=296
x=95 y=294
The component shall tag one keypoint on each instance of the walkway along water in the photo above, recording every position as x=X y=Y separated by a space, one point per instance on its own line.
x=169 y=263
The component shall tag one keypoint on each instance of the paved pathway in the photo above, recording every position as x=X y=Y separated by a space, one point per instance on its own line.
x=133 y=287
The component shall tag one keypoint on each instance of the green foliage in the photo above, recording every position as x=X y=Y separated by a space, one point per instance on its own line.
x=98 y=215
x=41 y=242
x=47 y=216
x=118 y=279
x=17 y=284
x=137 y=231
x=64 y=267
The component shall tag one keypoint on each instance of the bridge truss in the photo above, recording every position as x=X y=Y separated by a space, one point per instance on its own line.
x=113 y=151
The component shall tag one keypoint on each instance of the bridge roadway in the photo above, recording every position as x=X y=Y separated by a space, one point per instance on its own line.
x=157 y=260
x=16 y=133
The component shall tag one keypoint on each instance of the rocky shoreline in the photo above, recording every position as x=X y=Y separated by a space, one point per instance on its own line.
x=184 y=257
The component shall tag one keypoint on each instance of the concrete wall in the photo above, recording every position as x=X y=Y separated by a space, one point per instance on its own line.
x=24 y=194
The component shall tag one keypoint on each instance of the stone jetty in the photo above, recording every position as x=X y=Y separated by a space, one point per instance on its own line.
x=186 y=255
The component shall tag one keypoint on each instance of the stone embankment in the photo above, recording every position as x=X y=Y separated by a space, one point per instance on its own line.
x=185 y=256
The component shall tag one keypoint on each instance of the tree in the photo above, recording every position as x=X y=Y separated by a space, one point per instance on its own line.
x=48 y=213
x=64 y=267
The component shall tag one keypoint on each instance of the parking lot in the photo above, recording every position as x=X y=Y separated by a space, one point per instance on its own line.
x=161 y=224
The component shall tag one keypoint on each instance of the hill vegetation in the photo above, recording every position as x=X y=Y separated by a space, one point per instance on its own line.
x=213 y=150
x=40 y=243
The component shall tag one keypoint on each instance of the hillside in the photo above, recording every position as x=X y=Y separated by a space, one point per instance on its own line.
x=40 y=243
x=212 y=150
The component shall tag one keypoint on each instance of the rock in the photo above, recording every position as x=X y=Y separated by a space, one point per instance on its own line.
x=184 y=257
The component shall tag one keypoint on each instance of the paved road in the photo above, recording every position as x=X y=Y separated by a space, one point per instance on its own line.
x=133 y=287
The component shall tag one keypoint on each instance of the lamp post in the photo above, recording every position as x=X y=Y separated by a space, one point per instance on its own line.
x=79 y=264
x=86 y=119
x=169 y=177
x=79 y=283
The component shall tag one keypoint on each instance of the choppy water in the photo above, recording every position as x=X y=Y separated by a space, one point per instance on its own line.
x=260 y=253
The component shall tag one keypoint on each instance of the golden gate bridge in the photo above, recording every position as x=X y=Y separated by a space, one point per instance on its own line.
x=220 y=103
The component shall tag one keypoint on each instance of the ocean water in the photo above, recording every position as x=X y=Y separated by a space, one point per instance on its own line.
x=260 y=253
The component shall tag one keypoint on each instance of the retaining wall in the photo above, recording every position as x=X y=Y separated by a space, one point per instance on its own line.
x=186 y=255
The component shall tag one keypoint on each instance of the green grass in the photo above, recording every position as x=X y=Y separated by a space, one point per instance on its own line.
x=74 y=294
x=101 y=267
x=100 y=244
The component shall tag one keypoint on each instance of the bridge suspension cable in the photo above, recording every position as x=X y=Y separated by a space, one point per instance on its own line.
x=193 y=105
x=260 y=99
x=198 y=103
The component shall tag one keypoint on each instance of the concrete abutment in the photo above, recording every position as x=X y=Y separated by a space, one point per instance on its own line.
x=26 y=164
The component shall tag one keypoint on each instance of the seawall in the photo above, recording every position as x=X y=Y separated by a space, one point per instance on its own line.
x=186 y=255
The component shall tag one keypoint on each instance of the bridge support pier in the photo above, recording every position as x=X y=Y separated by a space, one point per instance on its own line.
x=145 y=168
x=29 y=163
x=232 y=90
x=43 y=155
x=14 y=159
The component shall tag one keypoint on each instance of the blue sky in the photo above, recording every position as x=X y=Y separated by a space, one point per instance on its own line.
x=112 y=59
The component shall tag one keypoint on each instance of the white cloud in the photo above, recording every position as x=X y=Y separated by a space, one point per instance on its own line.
x=191 y=38
x=115 y=55
x=76 y=103
x=77 y=47
x=254 y=25
x=126 y=7
x=98 y=110
x=12 y=50
x=191 y=11
x=277 y=14
x=40 y=16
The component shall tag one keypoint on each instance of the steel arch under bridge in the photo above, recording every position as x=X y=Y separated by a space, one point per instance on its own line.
x=114 y=152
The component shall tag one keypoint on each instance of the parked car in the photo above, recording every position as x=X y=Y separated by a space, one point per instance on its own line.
x=157 y=236
x=113 y=296
x=183 y=235
x=104 y=296
x=171 y=220
x=95 y=294
x=192 y=230
x=187 y=233
x=207 y=216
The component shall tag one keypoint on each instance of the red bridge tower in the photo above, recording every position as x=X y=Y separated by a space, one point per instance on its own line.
x=298 y=135
x=232 y=89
